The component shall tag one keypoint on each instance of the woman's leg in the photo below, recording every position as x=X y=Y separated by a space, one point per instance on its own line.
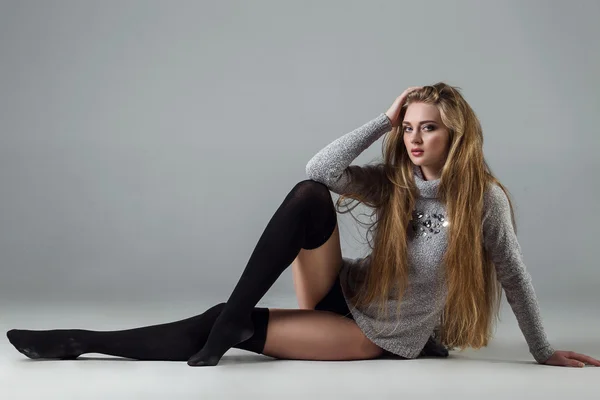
x=325 y=332
x=305 y=219
x=316 y=335
x=280 y=333
x=174 y=341
x=314 y=271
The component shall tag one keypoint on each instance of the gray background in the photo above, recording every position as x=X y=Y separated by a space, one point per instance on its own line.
x=145 y=145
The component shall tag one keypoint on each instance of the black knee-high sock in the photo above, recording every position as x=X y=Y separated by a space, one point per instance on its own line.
x=174 y=341
x=305 y=219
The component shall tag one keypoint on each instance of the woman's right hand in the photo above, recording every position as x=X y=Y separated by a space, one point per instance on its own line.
x=393 y=113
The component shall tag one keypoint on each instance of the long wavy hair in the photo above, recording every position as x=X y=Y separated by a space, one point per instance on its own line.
x=474 y=293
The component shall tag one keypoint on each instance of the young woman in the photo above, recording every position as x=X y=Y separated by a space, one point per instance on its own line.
x=444 y=248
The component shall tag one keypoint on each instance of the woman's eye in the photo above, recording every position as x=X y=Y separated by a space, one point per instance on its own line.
x=428 y=127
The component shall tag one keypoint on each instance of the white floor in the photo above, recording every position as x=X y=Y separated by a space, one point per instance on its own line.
x=505 y=369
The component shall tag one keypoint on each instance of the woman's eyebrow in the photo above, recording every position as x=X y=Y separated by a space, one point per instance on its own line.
x=422 y=122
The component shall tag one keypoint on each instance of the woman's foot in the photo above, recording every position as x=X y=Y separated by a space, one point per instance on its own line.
x=57 y=343
x=226 y=333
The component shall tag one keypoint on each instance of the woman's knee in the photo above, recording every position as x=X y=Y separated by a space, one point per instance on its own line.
x=317 y=209
x=309 y=188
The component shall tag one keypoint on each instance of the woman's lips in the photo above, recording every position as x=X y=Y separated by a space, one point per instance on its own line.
x=417 y=153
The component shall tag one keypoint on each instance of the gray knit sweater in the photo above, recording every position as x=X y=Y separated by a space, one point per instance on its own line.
x=423 y=303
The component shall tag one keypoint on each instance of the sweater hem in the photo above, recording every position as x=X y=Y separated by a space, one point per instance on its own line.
x=397 y=350
x=385 y=345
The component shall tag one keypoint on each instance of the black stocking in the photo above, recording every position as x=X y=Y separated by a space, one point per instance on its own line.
x=305 y=219
x=174 y=341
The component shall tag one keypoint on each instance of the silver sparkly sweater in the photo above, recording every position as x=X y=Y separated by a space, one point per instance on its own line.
x=422 y=304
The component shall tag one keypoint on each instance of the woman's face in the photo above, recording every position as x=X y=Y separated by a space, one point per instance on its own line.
x=423 y=129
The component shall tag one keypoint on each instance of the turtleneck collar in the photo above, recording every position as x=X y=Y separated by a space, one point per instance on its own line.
x=428 y=189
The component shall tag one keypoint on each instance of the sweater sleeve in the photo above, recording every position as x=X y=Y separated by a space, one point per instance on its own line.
x=501 y=243
x=331 y=165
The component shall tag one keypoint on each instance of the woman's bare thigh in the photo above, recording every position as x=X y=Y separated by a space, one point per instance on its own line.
x=314 y=271
x=303 y=334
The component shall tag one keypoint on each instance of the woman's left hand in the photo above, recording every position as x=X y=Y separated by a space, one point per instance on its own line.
x=570 y=359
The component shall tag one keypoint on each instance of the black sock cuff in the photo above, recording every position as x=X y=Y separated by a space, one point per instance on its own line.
x=260 y=320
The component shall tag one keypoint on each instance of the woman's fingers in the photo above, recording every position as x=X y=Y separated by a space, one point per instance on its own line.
x=393 y=112
x=585 y=359
x=574 y=363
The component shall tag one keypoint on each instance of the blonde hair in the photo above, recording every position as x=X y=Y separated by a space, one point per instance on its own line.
x=474 y=294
